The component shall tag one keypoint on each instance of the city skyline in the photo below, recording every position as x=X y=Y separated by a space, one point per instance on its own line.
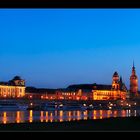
x=54 y=48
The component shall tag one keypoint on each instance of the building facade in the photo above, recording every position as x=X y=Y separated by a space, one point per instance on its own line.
x=15 y=88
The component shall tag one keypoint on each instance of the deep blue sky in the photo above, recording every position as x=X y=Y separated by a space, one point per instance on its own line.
x=53 y=48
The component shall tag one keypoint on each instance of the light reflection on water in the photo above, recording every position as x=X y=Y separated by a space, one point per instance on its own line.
x=60 y=116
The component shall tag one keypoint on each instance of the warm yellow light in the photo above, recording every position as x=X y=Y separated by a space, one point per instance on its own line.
x=18 y=96
x=47 y=116
x=31 y=96
x=115 y=113
x=94 y=117
x=77 y=98
x=51 y=114
x=84 y=105
x=61 y=113
x=61 y=97
x=101 y=116
x=31 y=116
x=123 y=113
x=47 y=113
x=70 y=97
x=5 y=117
x=85 y=115
x=51 y=117
x=69 y=115
x=61 y=116
x=42 y=116
x=108 y=113
x=5 y=95
x=18 y=117
x=110 y=107
x=94 y=112
x=78 y=115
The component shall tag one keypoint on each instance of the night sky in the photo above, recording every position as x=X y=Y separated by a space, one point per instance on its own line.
x=53 y=48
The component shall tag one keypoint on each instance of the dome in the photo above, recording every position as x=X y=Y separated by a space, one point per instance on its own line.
x=17 y=78
x=115 y=74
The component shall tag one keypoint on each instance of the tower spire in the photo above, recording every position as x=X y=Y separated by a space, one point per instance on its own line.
x=133 y=64
x=133 y=69
x=121 y=79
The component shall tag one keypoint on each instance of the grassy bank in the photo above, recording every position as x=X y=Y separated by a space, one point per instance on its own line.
x=111 y=124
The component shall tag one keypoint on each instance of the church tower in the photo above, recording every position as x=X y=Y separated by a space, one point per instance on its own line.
x=122 y=85
x=133 y=83
x=115 y=81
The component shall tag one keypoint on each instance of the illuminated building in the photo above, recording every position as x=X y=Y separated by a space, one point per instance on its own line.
x=95 y=91
x=67 y=94
x=15 y=88
x=72 y=93
x=40 y=93
x=133 y=83
x=115 y=91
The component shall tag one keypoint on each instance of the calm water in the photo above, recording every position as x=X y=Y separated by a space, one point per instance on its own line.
x=60 y=116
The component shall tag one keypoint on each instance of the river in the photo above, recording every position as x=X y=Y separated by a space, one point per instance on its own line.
x=60 y=116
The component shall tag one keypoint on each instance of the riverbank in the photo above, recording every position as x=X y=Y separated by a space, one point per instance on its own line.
x=109 y=124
